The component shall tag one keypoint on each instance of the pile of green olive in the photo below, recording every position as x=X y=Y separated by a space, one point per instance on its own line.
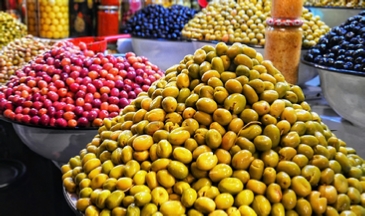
x=222 y=133
x=10 y=29
x=245 y=22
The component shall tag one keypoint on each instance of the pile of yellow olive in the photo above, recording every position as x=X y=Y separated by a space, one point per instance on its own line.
x=222 y=133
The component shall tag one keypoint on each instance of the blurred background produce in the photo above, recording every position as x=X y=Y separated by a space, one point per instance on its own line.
x=245 y=22
x=10 y=29
x=156 y=21
x=19 y=52
x=335 y=3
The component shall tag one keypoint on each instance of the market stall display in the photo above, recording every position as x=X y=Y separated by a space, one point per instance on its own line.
x=10 y=29
x=72 y=87
x=339 y=60
x=222 y=133
x=19 y=52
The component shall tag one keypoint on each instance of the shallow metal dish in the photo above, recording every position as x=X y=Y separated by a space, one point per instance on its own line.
x=344 y=91
x=57 y=144
x=161 y=52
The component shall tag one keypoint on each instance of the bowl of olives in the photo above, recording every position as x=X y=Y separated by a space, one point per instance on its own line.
x=339 y=58
x=156 y=33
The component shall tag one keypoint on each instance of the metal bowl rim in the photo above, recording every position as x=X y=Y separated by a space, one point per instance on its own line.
x=332 y=69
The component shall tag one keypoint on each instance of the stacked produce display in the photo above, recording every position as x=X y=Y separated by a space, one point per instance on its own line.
x=343 y=47
x=222 y=133
x=18 y=53
x=244 y=22
x=156 y=21
x=70 y=86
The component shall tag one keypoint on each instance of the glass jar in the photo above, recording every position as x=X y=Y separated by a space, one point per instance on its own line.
x=53 y=19
x=32 y=17
x=283 y=44
x=110 y=2
x=288 y=9
x=108 y=20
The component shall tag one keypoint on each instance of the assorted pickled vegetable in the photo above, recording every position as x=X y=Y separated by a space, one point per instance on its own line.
x=222 y=133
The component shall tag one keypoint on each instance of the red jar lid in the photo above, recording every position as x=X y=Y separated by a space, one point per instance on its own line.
x=284 y=22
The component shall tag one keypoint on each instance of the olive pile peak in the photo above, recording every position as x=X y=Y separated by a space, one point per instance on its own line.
x=10 y=29
x=222 y=133
x=245 y=22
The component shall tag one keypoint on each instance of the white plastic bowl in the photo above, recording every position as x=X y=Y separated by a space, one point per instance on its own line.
x=306 y=73
x=163 y=53
x=344 y=91
x=58 y=145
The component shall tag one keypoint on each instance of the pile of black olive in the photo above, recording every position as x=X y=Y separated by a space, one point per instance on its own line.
x=156 y=21
x=343 y=47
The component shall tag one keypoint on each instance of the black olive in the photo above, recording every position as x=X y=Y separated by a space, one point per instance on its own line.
x=348 y=65
x=349 y=35
x=315 y=51
x=359 y=53
x=358 y=60
x=349 y=59
x=340 y=58
x=351 y=46
x=341 y=52
x=349 y=52
x=339 y=64
x=317 y=59
x=335 y=49
x=330 y=55
x=308 y=57
x=330 y=61
x=323 y=40
x=357 y=67
x=322 y=47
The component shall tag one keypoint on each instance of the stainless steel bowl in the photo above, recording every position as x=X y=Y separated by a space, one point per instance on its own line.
x=163 y=53
x=344 y=91
x=56 y=144
x=306 y=73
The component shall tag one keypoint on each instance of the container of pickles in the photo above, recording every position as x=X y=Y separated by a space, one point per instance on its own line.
x=48 y=18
